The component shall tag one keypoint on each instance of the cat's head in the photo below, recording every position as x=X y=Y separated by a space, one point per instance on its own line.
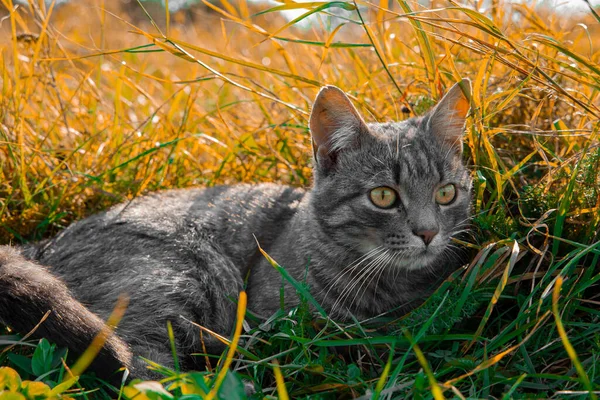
x=398 y=188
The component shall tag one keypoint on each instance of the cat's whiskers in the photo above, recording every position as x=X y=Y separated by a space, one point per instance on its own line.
x=453 y=251
x=462 y=225
x=470 y=217
x=368 y=257
x=455 y=248
x=382 y=262
x=466 y=231
x=385 y=265
x=461 y=231
x=390 y=263
x=355 y=264
x=400 y=255
x=397 y=272
x=348 y=288
x=329 y=284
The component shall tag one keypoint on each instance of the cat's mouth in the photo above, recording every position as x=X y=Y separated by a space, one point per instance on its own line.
x=415 y=258
x=410 y=256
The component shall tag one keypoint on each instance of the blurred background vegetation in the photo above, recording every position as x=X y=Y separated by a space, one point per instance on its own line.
x=102 y=101
x=94 y=112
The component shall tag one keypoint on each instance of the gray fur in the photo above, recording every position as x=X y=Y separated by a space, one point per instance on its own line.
x=183 y=255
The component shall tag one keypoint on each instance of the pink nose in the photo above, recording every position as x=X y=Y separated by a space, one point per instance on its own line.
x=426 y=234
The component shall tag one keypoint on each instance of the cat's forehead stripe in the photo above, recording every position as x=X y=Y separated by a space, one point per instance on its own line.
x=408 y=158
x=407 y=165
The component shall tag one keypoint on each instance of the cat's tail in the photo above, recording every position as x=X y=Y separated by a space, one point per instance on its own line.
x=28 y=291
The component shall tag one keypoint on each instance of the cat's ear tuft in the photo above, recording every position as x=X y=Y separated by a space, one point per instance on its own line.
x=334 y=124
x=447 y=120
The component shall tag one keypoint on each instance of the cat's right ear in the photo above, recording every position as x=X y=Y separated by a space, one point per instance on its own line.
x=334 y=125
x=447 y=120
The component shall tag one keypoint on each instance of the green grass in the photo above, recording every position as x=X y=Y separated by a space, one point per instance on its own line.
x=96 y=111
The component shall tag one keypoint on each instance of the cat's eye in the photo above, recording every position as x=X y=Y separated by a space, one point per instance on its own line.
x=445 y=195
x=383 y=197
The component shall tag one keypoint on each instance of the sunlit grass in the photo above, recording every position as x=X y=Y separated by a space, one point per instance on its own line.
x=100 y=103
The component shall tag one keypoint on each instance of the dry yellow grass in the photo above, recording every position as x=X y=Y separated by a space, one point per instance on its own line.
x=87 y=123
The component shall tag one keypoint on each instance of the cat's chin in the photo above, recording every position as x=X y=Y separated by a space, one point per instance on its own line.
x=422 y=258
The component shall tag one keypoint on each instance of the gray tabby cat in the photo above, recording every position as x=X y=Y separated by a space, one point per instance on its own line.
x=372 y=236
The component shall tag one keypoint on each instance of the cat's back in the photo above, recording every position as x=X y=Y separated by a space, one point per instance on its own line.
x=216 y=208
x=226 y=216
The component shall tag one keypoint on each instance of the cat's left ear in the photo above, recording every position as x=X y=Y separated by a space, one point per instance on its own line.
x=335 y=125
x=447 y=120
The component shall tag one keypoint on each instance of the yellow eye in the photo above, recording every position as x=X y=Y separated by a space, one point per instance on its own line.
x=383 y=197
x=446 y=194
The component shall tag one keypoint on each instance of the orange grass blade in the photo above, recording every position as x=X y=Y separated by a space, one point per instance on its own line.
x=248 y=64
x=498 y=357
x=379 y=54
x=436 y=391
x=92 y=351
x=281 y=390
x=241 y=312
x=565 y=339
x=182 y=53
x=426 y=50
x=384 y=376
x=313 y=8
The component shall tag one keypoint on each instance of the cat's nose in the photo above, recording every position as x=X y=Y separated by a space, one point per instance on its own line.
x=426 y=235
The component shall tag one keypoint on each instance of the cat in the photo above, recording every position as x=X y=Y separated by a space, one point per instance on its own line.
x=372 y=236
